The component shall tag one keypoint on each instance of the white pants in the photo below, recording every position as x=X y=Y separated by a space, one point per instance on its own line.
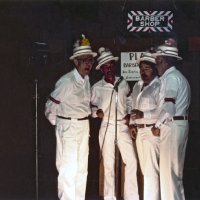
x=173 y=141
x=148 y=147
x=127 y=151
x=72 y=158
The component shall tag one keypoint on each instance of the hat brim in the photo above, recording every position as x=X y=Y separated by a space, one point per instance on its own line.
x=169 y=55
x=146 y=59
x=93 y=54
x=105 y=61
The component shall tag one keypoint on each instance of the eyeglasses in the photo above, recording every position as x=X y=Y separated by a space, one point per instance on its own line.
x=86 y=60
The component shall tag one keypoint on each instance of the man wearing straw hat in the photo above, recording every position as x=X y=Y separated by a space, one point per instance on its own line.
x=104 y=106
x=172 y=123
x=68 y=107
x=145 y=97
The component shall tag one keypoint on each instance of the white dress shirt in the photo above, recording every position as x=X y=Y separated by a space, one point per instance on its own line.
x=146 y=100
x=71 y=97
x=101 y=96
x=174 y=86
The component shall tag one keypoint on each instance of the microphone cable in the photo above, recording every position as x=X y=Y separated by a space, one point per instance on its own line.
x=101 y=149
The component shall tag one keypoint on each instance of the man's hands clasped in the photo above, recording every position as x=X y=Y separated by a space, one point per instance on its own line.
x=136 y=114
x=155 y=131
x=100 y=113
x=133 y=131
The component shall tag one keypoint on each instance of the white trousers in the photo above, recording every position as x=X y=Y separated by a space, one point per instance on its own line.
x=148 y=147
x=173 y=141
x=72 y=158
x=127 y=151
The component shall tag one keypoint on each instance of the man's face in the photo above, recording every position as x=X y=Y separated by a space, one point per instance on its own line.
x=84 y=64
x=108 y=70
x=146 y=73
x=161 y=65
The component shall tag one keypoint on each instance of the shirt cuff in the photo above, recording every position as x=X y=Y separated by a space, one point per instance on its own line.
x=147 y=115
x=158 y=124
x=131 y=122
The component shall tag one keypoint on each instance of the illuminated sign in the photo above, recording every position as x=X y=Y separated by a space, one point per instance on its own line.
x=150 y=21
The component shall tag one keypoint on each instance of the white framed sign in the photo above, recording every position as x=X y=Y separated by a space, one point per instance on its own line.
x=129 y=66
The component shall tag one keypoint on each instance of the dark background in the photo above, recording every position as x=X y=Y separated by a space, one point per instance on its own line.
x=22 y=62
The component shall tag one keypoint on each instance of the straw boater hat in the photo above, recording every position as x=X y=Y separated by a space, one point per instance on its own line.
x=146 y=56
x=82 y=47
x=105 y=56
x=168 y=49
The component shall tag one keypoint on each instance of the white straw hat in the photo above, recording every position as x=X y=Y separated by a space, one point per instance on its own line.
x=168 y=49
x=82 y=47
x=104 y=57
x=146 y=56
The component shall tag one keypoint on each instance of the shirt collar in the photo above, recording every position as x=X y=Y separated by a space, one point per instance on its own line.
x=104 y=82
x=171 y=69
x=78 y=77
x=156 y=79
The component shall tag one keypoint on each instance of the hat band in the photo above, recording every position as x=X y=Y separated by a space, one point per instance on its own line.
x=167 y=52
x=147 y=59
x=85 y=49
x=146 y=56
x=105 y=58
x=83 y=52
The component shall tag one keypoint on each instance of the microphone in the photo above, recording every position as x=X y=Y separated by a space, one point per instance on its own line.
x=118 y=82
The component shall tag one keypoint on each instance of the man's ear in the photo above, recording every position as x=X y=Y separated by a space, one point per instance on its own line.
x=75 y=62
x=101 y=69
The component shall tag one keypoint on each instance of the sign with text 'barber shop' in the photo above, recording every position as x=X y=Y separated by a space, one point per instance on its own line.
x=129 y=65
x=150 y=21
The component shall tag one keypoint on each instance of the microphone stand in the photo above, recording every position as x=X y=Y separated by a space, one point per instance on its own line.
x=36 y=138
x=39 y=57
x=116 y=149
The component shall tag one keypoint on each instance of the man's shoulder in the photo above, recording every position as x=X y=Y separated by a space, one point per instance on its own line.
x=138 y=83
x=175 y=74
x=156 y=81
x=98 y=83
x=66 y=78
x=68 y=75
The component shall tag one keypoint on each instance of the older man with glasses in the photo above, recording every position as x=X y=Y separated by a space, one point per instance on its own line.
x=68 y=108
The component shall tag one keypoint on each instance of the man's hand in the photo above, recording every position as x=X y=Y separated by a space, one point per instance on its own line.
x=155 y=131
x=127 y=119
x=133 y=132
x=100 y=113
x=136 y=114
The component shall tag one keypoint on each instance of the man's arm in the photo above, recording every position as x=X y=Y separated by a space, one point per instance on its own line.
x=53 y=102
x=96 y=111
